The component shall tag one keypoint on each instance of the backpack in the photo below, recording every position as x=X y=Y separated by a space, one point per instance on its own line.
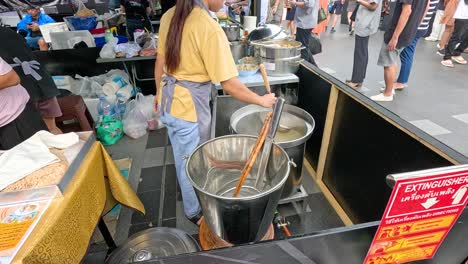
x=385 y=7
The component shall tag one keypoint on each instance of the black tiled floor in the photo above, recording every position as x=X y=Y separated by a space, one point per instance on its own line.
x=151 y=202
x=169 y=210
x=156 y=139
x=137 y=228
x=150 y=179
x=172 y=222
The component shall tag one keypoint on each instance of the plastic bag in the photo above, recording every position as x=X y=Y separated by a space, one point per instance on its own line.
x=83 y=11
x=134 y=121
x=109 y=130
x=130 y=49
x=86 y=87
x=108 y=51
x=146 y=106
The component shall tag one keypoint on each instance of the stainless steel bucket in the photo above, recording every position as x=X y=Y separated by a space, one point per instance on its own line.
x=295 y=147
x=238 y=50
x=214 y=169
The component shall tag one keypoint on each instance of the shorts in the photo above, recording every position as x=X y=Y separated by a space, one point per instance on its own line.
x=351 y=6
x=337 y=8
x=290 y=14
x=388 y=58
x=32 y=42
x=48 y=107
x=23 y=127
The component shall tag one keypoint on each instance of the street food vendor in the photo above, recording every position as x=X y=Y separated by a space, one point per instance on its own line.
x=136 y=15
x=19 y=120
x=29 y=27
x=193 y=52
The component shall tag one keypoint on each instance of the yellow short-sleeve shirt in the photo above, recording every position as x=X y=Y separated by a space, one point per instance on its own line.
x=205 y=56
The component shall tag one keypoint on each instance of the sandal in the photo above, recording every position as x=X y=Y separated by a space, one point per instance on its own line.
x=353 y=84
x=447 y=63
x=459 y=59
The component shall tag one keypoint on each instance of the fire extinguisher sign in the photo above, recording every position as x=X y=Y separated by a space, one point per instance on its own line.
x=421 y=211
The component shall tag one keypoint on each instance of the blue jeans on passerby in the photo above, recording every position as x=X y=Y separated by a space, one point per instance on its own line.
x=406 y=57
x=32 y=42
x=184 y=137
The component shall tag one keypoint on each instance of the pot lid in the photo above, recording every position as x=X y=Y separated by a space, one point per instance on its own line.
x=264 y=32
x=152 y=244
x=291 y=127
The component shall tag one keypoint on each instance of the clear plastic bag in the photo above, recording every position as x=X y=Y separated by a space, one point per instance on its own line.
x=83 y=11
x=130 y=49
x=134 y=121
x=146 y=106
x=108 y=51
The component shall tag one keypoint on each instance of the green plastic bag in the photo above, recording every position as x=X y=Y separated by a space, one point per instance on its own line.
x=110 y=130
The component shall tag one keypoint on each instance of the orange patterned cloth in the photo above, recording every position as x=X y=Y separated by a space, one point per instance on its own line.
x=64 y=231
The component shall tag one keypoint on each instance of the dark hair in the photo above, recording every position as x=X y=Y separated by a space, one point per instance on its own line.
x=30 y=7
x=174 y=36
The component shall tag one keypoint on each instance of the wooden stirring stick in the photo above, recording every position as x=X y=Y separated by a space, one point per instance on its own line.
x=253 y=155
x=265 y=78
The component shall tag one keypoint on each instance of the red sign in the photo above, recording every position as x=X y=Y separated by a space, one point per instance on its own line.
x=421 y=211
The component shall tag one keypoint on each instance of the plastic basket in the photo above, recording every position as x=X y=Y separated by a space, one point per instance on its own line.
x=81 y=23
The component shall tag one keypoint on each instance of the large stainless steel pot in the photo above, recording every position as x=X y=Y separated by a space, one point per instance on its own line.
x=232 y=31
x=247 y=120
x=214 y=169
x=238 y=50
x=281 y=67
x=279 y=49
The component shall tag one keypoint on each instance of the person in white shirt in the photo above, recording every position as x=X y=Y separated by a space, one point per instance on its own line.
x=459 y=35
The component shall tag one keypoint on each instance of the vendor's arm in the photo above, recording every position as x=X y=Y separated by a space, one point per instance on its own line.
x=371 y=5
x=8 y=76
x=239 y=91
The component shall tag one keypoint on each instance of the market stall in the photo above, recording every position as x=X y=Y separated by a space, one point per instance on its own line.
x=344 y=143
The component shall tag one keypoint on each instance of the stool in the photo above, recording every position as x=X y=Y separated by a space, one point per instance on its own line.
x=74 y=109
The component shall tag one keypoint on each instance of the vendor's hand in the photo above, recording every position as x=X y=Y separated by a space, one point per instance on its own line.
x=392 y=44
x=268 y=100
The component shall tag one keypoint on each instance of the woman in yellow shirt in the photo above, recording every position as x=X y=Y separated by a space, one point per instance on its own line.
x=193 y=52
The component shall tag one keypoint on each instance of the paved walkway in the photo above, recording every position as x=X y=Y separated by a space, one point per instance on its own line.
x=436 y=100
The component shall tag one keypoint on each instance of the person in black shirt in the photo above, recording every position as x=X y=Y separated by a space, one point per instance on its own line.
x=406 y=19
x=136 y=13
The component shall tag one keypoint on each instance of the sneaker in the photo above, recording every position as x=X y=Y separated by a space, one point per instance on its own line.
x=447 y=63
x=431 y=39
x=441 y=52
x=459 y=59
x=332 y=30
x=351 y=32
x=383 y=90
x=438 y=46
x=382 y=98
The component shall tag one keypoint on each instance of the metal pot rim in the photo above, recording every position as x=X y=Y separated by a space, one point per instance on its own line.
x=285 y=144
x=248 y=198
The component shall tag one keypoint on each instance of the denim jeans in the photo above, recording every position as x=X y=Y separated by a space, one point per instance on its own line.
x=184 y=137
x=32 y=42
x=407 y=56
